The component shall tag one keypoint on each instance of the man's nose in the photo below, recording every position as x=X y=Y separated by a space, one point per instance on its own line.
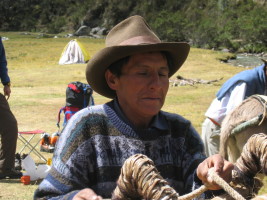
x=155 y=81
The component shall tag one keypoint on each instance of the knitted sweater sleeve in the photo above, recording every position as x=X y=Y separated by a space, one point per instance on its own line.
x=72 y=163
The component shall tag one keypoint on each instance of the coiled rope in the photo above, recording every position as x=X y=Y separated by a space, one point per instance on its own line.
x=253 y=161
x=140 y=179
x=253 y=158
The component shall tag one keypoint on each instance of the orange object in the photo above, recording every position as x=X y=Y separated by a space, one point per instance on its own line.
x=53 y=140
x=49 y=161
x=45 y=140
x=42 y=141
x=26 y=180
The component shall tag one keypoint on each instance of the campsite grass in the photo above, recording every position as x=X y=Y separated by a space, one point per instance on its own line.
x=39 y=84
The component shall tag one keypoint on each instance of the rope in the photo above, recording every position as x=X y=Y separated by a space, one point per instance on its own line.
x=253 y=158
x=140 y=179
x=256 y=121
x=224 y=185
x=194 y=193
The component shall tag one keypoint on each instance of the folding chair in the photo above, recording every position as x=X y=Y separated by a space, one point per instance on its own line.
x=26 y=138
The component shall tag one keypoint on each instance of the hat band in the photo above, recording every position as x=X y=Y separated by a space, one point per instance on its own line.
x=140 y=40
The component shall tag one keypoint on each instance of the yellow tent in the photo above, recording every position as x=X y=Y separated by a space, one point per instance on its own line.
x=74 y=52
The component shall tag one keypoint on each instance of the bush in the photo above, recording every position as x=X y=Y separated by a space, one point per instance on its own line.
x=57 y=25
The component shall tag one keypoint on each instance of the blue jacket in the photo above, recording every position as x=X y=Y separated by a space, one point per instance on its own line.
x=3 y=65
x=254 y=78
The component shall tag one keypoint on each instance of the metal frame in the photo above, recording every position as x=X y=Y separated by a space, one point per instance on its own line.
x=27 y=142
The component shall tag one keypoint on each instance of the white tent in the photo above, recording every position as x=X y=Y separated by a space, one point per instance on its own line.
x=74 y=52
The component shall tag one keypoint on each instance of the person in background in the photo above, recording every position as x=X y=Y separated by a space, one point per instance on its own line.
x=8 y=125
x=230 y=95
x=133 y=70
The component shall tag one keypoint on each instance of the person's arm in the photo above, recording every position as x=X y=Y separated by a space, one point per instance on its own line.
x=237 y=95
x=221 y=166
x=231 y=99
x=4 y=72
x=3 y=65
x=196 y=166
x=7 y=91
x=87 y=194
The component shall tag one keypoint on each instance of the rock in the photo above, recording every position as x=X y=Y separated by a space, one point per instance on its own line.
x=82 y=31
x=99 y=31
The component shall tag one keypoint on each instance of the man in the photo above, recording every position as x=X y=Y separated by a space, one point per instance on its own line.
x=134 y=71
x=8 y=125
x=231 y=94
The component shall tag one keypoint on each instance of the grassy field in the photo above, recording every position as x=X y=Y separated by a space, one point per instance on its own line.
x=39 y=84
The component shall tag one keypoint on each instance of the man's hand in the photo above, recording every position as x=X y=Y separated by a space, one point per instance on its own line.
x=221 y=166
x=7 y=91
x=87 y=194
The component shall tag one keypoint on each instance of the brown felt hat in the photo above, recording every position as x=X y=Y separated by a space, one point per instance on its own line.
x=132 y=35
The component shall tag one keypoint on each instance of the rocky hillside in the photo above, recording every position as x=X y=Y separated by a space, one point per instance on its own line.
x=239 y=25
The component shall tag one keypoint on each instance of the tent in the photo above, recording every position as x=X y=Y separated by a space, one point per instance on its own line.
x=74 y=52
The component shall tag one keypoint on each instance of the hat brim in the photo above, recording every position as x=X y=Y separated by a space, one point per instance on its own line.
x=97 y=65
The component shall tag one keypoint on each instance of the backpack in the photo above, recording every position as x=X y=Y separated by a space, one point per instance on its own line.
x=78 y=96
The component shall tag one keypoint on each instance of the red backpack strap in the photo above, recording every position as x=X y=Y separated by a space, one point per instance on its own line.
x=74 y=87
x=58 y=117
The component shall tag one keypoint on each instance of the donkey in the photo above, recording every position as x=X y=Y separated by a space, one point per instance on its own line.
x=239 y=125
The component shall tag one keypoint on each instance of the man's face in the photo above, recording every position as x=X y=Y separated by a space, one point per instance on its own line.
x=142 y=87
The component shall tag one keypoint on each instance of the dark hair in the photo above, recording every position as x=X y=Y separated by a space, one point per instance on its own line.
x=168 y=58
x=116 y=67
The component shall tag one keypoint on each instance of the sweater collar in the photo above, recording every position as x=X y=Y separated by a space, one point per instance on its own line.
x=158 y=122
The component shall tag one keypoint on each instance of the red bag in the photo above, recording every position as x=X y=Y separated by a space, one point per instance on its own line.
x=68 y=112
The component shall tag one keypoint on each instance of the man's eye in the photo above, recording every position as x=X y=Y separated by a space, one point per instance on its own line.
x=163 y=74
x=142 y=73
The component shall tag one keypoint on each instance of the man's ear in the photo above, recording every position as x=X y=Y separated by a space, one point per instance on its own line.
x=111 y=79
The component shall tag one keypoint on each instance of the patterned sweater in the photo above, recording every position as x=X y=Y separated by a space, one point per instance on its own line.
x=95 y=143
